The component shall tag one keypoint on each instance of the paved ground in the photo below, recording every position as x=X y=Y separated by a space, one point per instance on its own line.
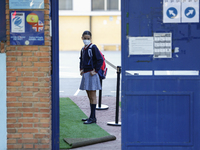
x=103 y=116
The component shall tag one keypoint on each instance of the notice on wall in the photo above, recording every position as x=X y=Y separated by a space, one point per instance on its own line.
x=162 y=45
x=26 y=4
x=190 y=11
x=180 y=11
x=171 y=11
x=27 y=27
x=140 y=45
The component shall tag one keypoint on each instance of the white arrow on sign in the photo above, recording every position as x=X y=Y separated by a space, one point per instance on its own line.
x=190 y=12
x=171 y=12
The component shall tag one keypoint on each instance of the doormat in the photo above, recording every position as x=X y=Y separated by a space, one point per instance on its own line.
x=78 y=142
x=73 y=133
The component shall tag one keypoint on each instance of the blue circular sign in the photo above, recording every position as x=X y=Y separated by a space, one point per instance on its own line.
x=190 y=12
x=172 y=12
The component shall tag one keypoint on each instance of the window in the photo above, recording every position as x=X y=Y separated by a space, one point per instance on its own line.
x=97 y=4
x=65 y=4
x=105 y=5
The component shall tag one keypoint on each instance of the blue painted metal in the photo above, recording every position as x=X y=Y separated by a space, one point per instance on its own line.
x=55 y=75
x=3 y=21
x=159 y=112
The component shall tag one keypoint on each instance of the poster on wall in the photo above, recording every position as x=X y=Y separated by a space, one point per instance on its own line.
x=26 y=4
x=26 y=28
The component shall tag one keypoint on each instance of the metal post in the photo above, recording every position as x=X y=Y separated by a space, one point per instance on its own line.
x=117 y=123
x=99 y=105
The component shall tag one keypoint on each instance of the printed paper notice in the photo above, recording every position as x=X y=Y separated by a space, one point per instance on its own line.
x=17 y=22
x=140 y=45
x=190 y=11
x=171 y=11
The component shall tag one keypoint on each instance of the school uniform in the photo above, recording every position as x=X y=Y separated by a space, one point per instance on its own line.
x=89 y=82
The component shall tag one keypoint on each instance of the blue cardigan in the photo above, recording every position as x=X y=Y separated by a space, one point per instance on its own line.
x=84 y=59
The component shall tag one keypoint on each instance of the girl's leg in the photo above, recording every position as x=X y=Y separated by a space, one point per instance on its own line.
x=93 y=102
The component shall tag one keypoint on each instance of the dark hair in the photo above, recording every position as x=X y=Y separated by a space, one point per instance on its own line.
x=86 y=33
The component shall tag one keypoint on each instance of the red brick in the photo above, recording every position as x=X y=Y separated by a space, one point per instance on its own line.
x=27 y=54
x=14 y=104
x=42 y=95
x=47 y=69
x=11 y=78
x=11 y=99
x=27 y=104
x=16 y=74
x=45 y=141
x=32 y=59
x=14 y=136
x=14 y=125
x=27 y=79
x=28 y=120
x=42 y=125
x=28 y=146
x=45 y=110
x=27 y=130
x=27 y=48
x=27 y=125
x=27 y=114
x=11 y=58
x=27 y=141
x=41 y=84
x=11 y=130
x=27 y=69
x=13 y=63
x=44 y=59
x=13 y=83
x=42 y=146
x=39 y=64
x=11 y=120
x=27 y=74
x=21 y=59
x=11 y=89
x=27 y=63
x=29 y=89
x=10 y=69
x=27 y=94
x=9 y=141
x=14 y=94
x=45 y=99
x=42 y=115
x=45 y=120
x=42 y=54
x=14 y=53
x=15 y=146
x=28 y=109
x=28 y=99
x=27 y=135
x=11 y=109
x=41 y=136
x=39 y=74
x=14 y=115
x=28 y=83
x=45 y=48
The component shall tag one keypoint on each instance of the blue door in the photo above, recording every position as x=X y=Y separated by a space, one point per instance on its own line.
x=160 y=76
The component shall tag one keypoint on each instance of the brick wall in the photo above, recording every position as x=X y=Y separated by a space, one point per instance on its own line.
x=29 y=91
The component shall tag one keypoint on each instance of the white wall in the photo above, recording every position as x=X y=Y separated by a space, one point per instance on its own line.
x=3 y=110
x=82 y=5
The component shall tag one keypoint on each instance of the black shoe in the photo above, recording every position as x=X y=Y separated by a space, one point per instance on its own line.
x=90 y=121
x=85 y=119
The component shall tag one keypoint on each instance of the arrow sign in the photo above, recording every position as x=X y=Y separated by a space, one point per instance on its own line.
x=190 y=12
x=172 y=12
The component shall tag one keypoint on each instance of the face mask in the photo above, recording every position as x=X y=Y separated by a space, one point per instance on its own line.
x=86 y=42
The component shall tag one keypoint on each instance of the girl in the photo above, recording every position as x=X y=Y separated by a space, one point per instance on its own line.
x=90 y=63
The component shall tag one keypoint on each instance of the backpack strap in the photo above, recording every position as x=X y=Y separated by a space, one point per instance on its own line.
x=90 y=55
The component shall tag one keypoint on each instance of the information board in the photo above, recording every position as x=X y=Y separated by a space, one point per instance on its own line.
x=140 y=45
x=26 y=4
x=27 y=28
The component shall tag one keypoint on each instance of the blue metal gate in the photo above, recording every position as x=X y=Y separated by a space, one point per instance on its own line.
x=160 y=86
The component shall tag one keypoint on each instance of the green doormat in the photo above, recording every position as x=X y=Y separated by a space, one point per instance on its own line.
x=74 y=131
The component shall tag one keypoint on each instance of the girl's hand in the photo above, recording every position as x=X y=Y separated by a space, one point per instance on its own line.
x=81 y=72
x=92 y=72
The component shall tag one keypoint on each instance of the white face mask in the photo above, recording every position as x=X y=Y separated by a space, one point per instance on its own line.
x=86 y=42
